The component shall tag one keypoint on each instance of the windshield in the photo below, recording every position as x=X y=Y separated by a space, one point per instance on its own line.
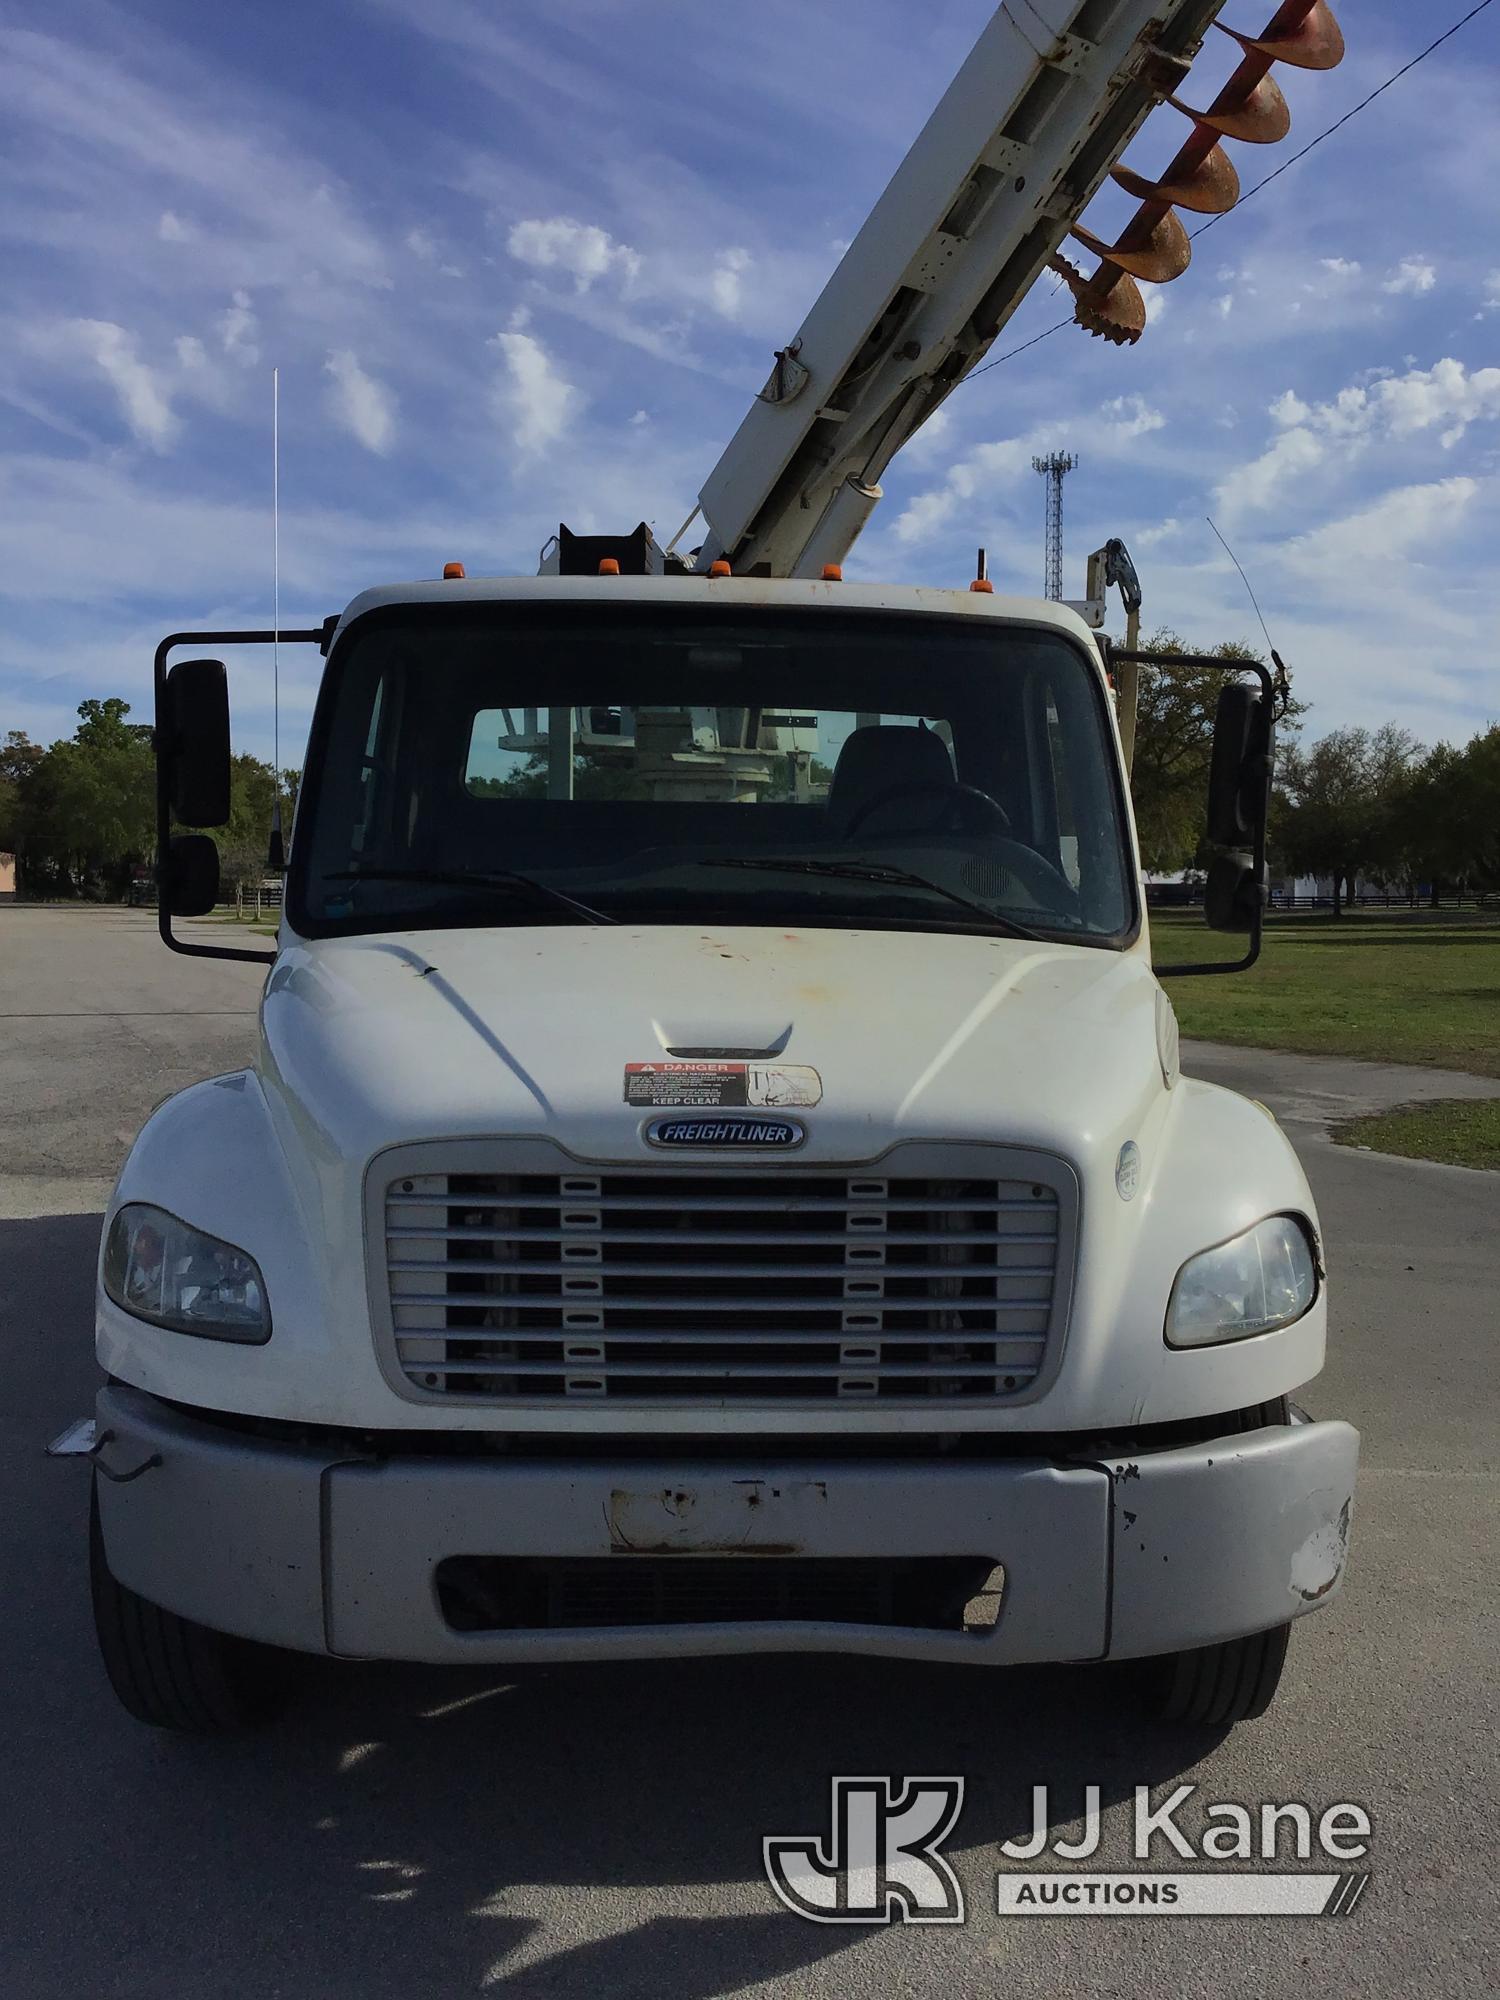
x=572 y=764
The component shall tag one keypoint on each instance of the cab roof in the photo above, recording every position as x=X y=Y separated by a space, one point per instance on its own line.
x=744 y=593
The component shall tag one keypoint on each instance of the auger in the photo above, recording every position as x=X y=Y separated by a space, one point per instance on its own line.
x=1154 y=247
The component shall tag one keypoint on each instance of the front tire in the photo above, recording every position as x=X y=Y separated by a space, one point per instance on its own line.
x=1215 y=1686
x=172 y=1673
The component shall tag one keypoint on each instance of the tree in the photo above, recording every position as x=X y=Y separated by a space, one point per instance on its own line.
x=1173 y=749
x=19 y=757
x=1448 y=817
x=86 y=809
x=1342 y=807
x=1481 y=798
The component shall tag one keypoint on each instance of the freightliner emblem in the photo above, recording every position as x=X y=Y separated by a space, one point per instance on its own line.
x=754 y=1134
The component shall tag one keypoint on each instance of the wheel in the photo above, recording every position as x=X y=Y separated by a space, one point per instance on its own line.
x=1218 y=1685
x=170 y=1672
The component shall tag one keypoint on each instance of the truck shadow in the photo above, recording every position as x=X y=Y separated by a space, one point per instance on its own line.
x=505 y=1813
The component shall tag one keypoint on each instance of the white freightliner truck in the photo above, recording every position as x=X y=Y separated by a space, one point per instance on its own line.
x=716 y=1174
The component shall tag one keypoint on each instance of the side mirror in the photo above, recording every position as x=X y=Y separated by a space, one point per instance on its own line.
x=189 y=882
x=1239 y=779
x=192 y=742
x=1234 y=893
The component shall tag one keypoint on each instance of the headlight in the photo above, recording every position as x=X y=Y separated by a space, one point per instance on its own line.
x=1259 y=1281
x=167 y=1272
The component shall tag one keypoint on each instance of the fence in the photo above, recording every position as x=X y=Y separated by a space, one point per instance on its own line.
x=143 y=896
x=1189 y=895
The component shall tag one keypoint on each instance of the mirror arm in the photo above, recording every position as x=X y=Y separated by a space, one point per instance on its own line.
x=164 y=752
x=1149 y=658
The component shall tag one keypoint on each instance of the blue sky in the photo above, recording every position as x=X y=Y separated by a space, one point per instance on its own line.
x=521 y=262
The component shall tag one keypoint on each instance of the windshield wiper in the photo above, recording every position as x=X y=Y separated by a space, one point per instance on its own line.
x=464 y=878
x=872 y=871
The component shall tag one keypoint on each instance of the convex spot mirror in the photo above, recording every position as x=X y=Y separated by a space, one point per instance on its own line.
x=190 y=875
x=1234 y=893
x=193 y=742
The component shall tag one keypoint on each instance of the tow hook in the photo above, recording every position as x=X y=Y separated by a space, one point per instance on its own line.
x=85 y=1440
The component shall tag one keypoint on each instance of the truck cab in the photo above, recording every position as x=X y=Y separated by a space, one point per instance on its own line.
x=716 y=1175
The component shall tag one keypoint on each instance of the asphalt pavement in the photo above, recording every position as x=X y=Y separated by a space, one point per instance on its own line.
x=598 y=1830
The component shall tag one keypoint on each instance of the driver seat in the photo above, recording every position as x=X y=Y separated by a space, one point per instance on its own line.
x=881 y=758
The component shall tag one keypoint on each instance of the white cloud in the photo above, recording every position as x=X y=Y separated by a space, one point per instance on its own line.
x=1395 y=526
x=238 y=328
x=581 y=248
x=1116 y=425
x=144 y=398
x=1410 y=277
x=422 y=243
x=1130 y=417
x=1260 y=484
x=365 y=407
x=1491 y=295
x=921 y=518
x=1289 y=409
x=1341 y=267
x=1224 y=304
x=1447 y=395
x=172 y=228
x=1446 y=398
x=725 y=286
x=537 y=401
x=1158 y=532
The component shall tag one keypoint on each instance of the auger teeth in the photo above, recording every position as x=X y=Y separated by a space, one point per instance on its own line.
x=1117 y=315
x=1259 y=119
x=1210 y=188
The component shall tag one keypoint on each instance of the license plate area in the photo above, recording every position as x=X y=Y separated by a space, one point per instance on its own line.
x=768 y=1517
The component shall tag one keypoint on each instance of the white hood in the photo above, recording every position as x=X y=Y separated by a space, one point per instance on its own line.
x=436 y=1034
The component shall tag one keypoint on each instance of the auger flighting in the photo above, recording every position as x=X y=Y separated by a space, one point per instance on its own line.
x=1154 y=246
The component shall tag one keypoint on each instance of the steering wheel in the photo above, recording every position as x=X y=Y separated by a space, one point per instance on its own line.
x=976 y=811
x=1048 y=885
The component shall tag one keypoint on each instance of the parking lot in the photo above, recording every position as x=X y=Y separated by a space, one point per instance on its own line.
x=598 y=1830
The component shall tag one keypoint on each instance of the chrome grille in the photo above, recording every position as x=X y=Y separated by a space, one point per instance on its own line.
x=772 y=1286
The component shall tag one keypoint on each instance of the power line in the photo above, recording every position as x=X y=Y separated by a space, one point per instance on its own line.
x=1354 y=112
x=1285 y=166
x=1035 y=341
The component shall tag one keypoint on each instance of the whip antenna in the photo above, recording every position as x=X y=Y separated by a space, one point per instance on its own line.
x=1283 y=687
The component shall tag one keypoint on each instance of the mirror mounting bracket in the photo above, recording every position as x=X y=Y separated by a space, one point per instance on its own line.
x=1153 y=658
x=168 y=645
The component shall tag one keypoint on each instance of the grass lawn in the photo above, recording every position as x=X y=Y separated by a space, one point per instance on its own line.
x=1464 y=1133
x=1418 y=986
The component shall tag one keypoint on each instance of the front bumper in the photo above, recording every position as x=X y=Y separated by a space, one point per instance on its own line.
x=1107 y=1558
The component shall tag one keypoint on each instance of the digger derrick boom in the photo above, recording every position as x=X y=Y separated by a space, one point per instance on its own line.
x=1040 y=113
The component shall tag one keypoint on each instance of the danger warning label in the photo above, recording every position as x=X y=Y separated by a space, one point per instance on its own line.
x=722 y=1086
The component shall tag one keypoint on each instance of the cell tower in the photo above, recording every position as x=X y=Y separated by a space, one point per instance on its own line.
x=1055 y=469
